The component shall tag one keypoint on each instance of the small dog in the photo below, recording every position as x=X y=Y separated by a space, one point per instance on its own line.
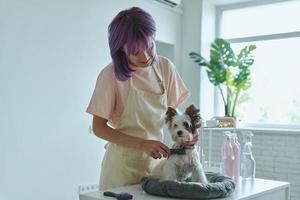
x=186 y=166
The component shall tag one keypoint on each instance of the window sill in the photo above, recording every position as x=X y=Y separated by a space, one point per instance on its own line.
x=258 y=130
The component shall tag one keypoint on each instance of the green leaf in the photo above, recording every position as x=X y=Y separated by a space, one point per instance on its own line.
x=198 y=59
x=222 y=52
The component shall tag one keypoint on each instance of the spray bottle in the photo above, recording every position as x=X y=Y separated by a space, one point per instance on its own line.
x=237 y=153
x=247 y=159
x=227 y=155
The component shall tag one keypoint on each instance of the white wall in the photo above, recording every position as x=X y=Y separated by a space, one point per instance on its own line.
x=51 y=52
x=191 y=25
x=198 y=32
x=208 y=34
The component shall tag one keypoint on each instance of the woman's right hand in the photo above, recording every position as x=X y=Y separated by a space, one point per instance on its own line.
x=155 y=149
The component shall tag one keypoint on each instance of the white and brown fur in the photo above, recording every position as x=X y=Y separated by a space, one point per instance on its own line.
x=181 y=167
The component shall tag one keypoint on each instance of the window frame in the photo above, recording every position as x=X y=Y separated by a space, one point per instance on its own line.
x=219 y=11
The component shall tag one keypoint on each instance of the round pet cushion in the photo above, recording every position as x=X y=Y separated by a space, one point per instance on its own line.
x=218 y=186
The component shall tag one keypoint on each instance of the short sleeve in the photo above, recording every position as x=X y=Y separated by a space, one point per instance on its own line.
x=103 y=100
x=177 y=91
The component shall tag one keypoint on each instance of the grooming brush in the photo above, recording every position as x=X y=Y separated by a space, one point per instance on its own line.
x=177 y=151
x=120 y=196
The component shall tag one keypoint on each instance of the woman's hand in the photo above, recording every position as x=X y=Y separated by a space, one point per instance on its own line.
x=155 y=149
x=191 y=144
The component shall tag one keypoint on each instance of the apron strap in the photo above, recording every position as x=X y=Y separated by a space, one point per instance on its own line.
x=159 y=79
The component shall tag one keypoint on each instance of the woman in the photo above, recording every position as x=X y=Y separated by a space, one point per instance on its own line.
x=130 y=100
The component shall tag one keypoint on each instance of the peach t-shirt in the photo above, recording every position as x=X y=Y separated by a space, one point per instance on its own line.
x=110 y=94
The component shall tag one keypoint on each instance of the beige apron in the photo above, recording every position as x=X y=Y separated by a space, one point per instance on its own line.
x=143 y=117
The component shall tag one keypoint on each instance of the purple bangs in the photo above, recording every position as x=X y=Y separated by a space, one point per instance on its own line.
x=131 y=27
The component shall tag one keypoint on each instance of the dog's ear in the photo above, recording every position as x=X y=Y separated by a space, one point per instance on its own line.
x=171 y=112
x=194 y=114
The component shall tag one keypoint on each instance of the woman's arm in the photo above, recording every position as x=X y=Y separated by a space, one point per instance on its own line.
x=153 y=148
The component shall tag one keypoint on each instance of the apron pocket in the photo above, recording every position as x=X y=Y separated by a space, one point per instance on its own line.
x=134 y=170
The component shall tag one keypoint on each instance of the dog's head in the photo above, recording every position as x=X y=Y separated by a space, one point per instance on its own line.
x=183 y=126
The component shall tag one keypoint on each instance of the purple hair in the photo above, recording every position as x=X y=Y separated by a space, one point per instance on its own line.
x=129 y=27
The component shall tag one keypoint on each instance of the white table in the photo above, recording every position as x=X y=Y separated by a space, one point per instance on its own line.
x=257 y=189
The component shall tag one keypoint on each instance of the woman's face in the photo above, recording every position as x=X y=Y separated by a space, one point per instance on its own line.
x=143 y=58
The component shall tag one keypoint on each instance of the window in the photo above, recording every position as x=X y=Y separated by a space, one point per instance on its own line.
x=274 y=97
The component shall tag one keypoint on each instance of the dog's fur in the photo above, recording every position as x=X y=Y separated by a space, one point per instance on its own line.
x=181 y=167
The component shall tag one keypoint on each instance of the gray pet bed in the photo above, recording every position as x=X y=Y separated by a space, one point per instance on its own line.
x=218 y=186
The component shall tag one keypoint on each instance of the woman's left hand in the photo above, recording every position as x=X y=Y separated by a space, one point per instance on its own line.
x=191 y=144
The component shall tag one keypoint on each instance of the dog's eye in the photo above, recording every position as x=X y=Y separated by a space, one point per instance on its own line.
x=185 y=124
x=175 y=125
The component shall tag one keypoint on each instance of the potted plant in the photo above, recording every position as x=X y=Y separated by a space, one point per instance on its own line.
x=230 y=73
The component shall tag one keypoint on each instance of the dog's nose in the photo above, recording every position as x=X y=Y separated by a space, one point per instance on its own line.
x=179 y=133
